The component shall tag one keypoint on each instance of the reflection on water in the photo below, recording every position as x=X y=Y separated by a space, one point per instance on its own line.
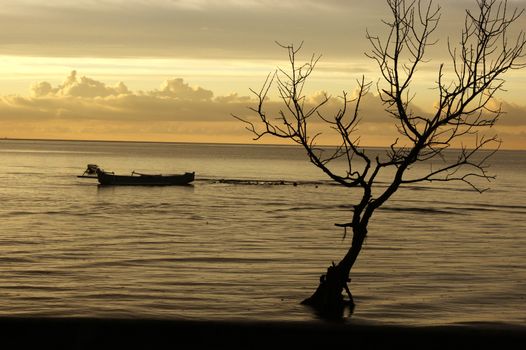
x=252 y=248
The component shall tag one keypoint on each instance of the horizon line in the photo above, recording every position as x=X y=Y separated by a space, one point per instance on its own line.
x=205 y=143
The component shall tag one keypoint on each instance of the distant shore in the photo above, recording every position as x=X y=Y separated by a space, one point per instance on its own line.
x=205 y=143
x=93 y=333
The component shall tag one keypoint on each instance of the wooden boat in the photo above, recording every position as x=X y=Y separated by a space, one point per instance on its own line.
x=136 y=179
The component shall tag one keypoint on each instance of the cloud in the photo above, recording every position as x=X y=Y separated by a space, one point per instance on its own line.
x=78 y=87
x=84 y=98
x=205 y=29
x=82 y=107
x=85 y=87
x=182 y=28
x=233 y=98
x=178 y=89
x=514 y=114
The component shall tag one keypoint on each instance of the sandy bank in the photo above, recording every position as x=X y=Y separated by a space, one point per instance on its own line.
x=75 y=333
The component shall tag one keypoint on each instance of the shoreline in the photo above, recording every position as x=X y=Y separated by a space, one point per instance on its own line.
x=96 y=333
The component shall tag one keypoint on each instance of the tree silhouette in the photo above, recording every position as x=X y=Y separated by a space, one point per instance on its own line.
x=465 y=95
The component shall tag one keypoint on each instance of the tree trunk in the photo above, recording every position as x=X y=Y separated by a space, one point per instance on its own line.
x=328 y=300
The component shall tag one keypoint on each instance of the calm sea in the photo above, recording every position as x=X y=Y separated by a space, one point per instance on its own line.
x=244 y=242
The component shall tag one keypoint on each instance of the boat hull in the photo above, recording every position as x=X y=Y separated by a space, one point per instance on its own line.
x=109 y=179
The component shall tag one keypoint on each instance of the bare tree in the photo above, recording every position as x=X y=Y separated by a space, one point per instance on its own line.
x=463 y=111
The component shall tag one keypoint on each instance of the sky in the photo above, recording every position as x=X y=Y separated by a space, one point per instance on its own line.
x=176 y=70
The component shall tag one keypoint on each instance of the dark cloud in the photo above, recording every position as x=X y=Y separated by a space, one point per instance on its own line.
x=232 y=29
x=514 y=114
x=206 y=28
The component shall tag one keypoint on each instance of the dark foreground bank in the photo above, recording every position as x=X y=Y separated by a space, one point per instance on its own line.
x=74 y=333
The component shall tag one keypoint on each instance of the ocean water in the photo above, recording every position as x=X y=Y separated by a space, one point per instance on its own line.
x=249 y=239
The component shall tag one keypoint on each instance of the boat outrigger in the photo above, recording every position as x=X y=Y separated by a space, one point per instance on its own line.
x=93 y=171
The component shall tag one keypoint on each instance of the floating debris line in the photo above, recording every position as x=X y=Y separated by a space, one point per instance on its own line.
x=256 y=182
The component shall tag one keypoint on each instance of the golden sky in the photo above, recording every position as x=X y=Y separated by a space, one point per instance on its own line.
x=175 y=70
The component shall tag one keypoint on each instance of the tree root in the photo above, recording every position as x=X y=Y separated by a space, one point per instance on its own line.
x=328 y=300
